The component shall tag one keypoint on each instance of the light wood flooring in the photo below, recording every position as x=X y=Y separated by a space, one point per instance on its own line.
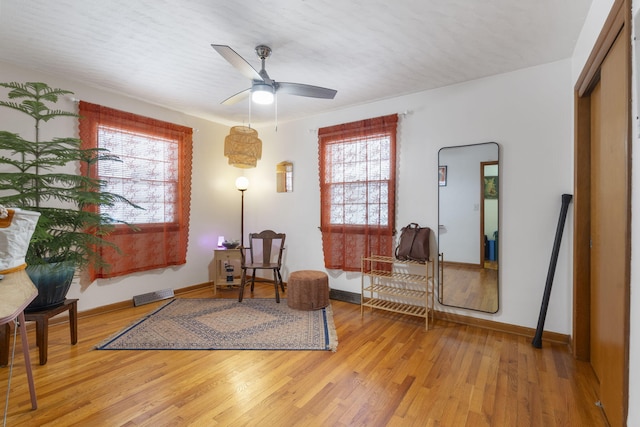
x=471 y=287
x=387 y=371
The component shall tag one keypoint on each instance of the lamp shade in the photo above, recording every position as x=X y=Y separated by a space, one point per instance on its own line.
x=242 y=183
x=262 y=93
x=243 y=147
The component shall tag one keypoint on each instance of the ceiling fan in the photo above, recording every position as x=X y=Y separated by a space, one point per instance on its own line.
x=263 y=87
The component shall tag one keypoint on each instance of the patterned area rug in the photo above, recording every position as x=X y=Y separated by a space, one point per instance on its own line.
x=226 y=324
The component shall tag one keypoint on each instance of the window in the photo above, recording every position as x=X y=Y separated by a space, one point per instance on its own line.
x=357 y=190
x=146 y=174
x=155 y=174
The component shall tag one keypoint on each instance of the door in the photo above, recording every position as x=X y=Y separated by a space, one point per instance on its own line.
x=602 y=204
x=609 y=229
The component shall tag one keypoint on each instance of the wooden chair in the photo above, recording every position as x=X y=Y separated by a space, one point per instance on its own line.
x=264 y=253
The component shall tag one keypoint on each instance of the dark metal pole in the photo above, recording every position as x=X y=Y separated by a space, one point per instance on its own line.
x=537 y=339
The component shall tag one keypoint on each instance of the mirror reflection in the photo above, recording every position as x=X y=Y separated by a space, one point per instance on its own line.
x=468 y=211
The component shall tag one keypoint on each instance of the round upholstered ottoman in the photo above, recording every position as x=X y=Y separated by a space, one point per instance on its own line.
x=308 y=290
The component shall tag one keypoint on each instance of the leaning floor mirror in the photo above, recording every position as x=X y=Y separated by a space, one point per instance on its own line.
x=468 y=213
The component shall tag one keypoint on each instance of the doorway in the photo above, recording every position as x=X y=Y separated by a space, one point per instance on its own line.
x=489 y=181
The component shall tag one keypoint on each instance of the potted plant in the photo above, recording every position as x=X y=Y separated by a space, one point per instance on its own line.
x=40 y=175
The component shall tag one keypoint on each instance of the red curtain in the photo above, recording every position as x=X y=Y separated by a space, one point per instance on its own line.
x=357 y=190
x=162 y=235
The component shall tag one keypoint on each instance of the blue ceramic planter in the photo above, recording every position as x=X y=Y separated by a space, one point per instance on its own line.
x=53 y=282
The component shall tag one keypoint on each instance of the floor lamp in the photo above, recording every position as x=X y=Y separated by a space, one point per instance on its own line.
x=242 y=183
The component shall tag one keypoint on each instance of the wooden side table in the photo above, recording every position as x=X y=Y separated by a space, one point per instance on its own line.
x=221 y=257
x=42 y=325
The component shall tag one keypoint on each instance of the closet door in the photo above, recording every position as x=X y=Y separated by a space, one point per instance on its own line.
x=610 y=230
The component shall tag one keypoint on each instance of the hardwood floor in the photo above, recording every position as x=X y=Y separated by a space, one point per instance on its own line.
x=387 y=371
x=471 y=287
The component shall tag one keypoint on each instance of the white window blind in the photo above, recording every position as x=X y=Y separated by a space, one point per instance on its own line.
x=147 y=175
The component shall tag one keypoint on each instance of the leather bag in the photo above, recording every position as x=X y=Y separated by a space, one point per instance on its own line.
x=414 y=243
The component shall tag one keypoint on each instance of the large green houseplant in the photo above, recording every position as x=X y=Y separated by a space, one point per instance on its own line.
x=41 y=175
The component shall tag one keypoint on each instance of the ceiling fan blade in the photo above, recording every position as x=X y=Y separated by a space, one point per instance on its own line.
x=237 y=61
x=306 y=90
x=237 y=97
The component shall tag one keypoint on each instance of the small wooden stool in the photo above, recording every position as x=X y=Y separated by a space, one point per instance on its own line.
x=41 y=318
x=308 y=290
x=42 y=324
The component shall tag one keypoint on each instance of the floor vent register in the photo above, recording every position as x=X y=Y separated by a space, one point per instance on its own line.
x=152 y=297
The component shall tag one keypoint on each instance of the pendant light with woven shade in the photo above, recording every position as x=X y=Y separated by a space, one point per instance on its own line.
x=243 y=147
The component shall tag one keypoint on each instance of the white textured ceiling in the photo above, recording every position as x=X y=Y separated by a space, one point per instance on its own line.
x=159 y=50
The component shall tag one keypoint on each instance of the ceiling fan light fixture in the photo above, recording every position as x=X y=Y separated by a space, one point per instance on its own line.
x=263 y=88
x=262 y=93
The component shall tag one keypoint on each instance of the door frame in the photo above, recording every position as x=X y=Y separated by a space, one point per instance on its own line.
x=482 y=234
x=619 y=18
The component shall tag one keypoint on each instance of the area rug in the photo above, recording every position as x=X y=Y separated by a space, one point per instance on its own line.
x=226 y=324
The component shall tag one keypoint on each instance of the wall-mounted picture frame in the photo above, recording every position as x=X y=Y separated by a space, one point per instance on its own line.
x=442 y=176
x=490 y=187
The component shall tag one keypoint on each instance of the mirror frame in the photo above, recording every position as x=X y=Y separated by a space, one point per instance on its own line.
x=284 y=177
x=442 y=182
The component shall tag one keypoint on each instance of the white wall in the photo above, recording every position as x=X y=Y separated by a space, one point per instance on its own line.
x=215 y=203
x=528 y=112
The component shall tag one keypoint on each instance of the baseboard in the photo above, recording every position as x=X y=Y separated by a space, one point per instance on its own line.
x=501 y=327
x=129 y=303
x=345 y=296
x=354 y=298
x=555 y=337
x=335 y=294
